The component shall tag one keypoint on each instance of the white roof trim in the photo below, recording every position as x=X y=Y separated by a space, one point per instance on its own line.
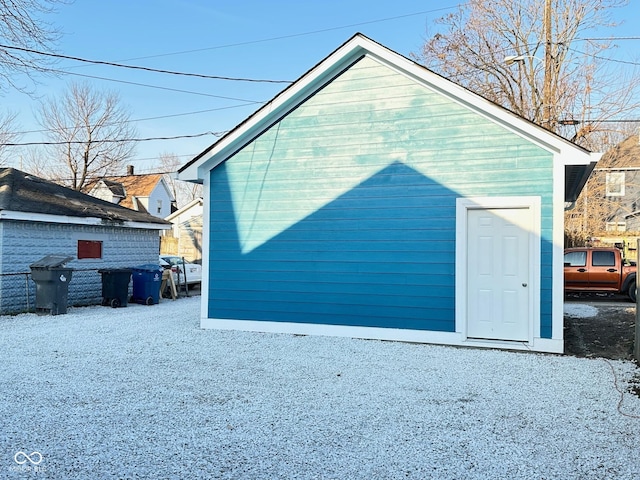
x=342 y=58
x=93 y=221
x=166 y=189
x=180 y=211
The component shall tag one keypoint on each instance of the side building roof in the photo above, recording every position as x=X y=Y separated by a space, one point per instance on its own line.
x=130 y=187
x=26 y=197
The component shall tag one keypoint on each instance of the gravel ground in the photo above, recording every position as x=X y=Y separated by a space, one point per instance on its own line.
x=142 y=392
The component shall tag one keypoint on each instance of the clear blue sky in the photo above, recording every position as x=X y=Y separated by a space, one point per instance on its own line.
x=277 y=40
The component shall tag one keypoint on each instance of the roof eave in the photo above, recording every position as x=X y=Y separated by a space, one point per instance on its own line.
x=71 y=220
x=325 y=71
x=274 y=110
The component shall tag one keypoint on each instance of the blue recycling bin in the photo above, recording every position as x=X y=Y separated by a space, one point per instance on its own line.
x=146 y=284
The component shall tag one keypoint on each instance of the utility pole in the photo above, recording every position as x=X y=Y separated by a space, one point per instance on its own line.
x=548 y=59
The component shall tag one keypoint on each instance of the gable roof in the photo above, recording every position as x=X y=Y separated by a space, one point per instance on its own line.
x=115 y=188
x=578 y=161
x=27 y=197
x=131 y=187
x=624 y=155
x=196 y=202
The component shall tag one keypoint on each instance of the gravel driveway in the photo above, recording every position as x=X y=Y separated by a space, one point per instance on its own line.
x=142 y=392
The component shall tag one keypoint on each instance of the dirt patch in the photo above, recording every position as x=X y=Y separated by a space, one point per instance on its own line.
x=603 y=327
x=608 y=334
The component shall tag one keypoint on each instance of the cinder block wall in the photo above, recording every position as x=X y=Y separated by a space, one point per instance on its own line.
x=23 y=243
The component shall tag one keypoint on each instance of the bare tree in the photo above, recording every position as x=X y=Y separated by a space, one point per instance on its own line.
x=8 y=133
x=90 y=135
x=23 y=30
x=527 y=56
x=611 y=194
x=183 y=192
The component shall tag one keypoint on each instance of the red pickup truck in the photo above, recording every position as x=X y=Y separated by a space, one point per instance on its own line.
x=599 y=270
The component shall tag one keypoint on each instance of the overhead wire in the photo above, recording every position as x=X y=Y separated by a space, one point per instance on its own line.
x=111 y=140
x=226 y=78
x=599 y=57
x=160 y=117
x=295 y=35
x=137 y=67
x=146 y=85
x=164 y=71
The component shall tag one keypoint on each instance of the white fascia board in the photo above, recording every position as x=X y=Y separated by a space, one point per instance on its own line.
x=593 y=157
x=274 y=110
x=182 y=210
x=166 y=189
x=339 y=60
x=67 y=220
x=571 y=153
x=477 y=103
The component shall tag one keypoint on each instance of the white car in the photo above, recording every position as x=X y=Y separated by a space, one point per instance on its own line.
x=179 y=266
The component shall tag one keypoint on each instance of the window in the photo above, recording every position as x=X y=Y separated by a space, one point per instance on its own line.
x=575 y=259
x=603 y=259
x=615 y=184
x=89 y=249
x=159 y=204
x=616 y=226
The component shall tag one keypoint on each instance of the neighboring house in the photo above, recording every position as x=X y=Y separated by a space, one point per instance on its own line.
x=619 y=173
x=185 y=237
x=144 y=193
x=374 y=198
x=40 y=218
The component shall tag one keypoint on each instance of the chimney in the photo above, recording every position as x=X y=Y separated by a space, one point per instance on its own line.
x=129 y=169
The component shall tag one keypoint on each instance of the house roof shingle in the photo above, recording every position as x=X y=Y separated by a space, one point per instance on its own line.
x=130 y=186
x=625 y=154
x=23 y=192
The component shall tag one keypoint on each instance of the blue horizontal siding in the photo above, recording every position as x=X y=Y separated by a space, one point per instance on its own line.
x=338 y=265
x=438 y=287
x=344 y=211
x=308 y=264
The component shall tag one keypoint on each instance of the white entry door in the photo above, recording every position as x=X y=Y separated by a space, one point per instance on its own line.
x=498 y=273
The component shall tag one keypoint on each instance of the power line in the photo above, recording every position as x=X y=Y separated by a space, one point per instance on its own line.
x=625 y=62
x=294 y=35
x=112 y=140
x=157 y=87
x=146 y=85
x=606 y=38
x=571 y=121
x=160 y=117
x=147 y=69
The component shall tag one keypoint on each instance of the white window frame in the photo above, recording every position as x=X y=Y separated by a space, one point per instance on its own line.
x=616 y=227
x=615 y=184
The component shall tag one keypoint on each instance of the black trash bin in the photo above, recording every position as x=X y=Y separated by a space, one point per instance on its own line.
x=52 y=284
x=115 y=286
